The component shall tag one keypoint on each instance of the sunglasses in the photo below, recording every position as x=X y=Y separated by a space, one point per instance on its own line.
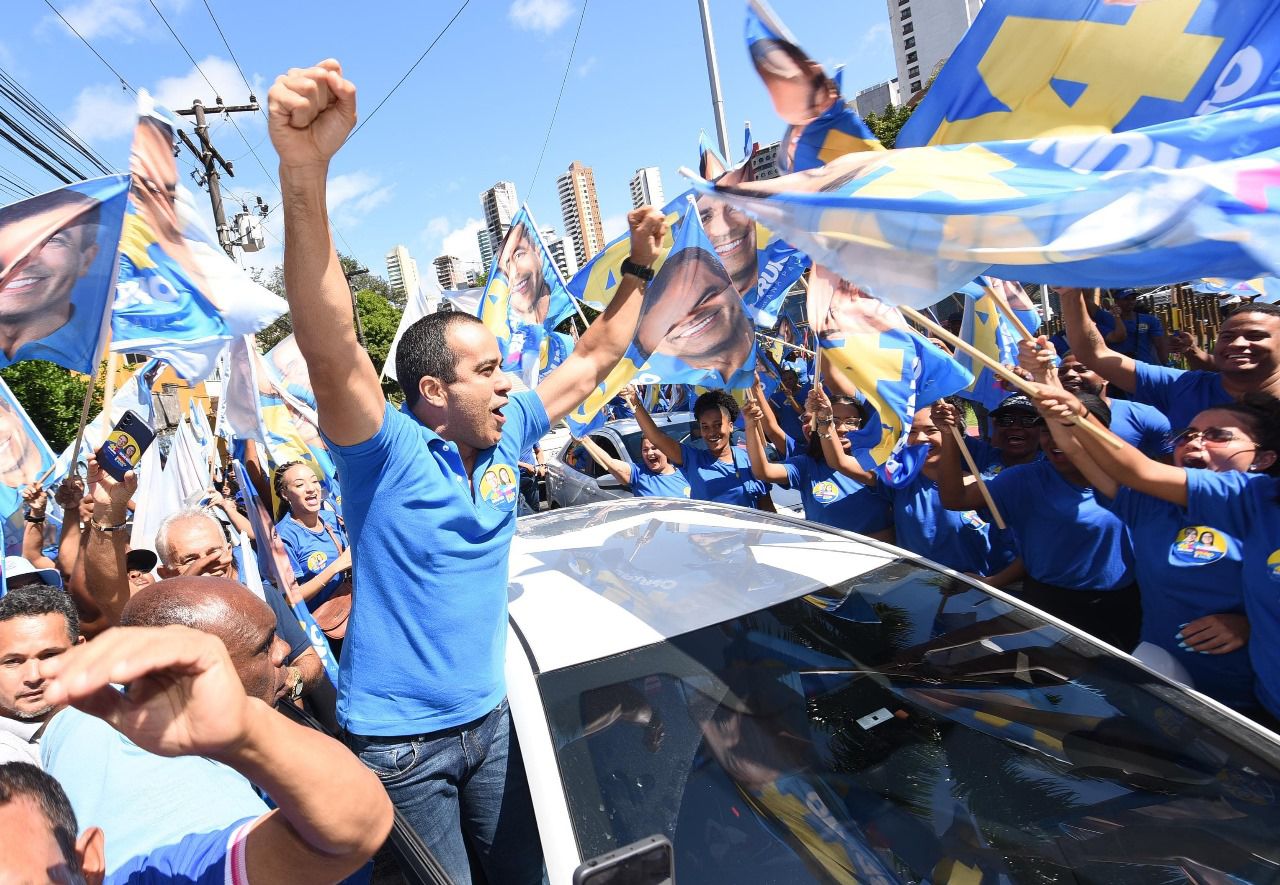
x=1210 y=436
x=1018 y=420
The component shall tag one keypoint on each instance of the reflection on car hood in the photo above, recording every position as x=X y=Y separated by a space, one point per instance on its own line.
x=607 y=578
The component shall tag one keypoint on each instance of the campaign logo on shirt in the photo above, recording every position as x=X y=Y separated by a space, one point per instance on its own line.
x=1273 y=565
x=317 y=560
x=972 y=518
x=825 y=492
x=498 y=486
x=1198 y=545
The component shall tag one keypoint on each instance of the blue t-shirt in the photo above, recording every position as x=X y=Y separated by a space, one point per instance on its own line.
x=1067 y=539
x=922 y=525
x=1247 y=506
x=1142 y=426
x=834 y=499
x=216 y=858
x=647 y=484
x=990 y=461
x=142 y=801
x=1180 y=394
x=310 y=553
x=789 y=419
x=713 y=480
x=427 y=636
x=1140 y=330
x=1186 y=571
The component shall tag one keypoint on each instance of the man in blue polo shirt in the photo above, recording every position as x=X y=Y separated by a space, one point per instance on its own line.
x=429 y=500
x=1247 y=356
x=1144 y=333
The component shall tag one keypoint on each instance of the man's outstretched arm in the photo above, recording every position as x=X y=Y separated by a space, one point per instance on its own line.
x=311 y=112
x=603 y=344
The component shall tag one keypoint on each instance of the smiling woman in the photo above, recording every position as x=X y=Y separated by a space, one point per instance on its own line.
x=313 y=536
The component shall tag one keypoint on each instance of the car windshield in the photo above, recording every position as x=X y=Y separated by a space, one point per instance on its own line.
x=907 y=726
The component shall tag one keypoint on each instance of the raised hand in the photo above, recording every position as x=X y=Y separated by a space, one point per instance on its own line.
x=108 y=490
x=631 y=397
x=648 y=229
x=751 y=412
x=1056 y=404
x=311 y=111
x=70 y=492
x=35 y=497
x=1036 y=358
x=817 y=403
x=945 y=416
x=183 y=695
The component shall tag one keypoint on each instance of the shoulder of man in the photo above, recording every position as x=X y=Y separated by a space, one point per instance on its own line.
x=211 y=858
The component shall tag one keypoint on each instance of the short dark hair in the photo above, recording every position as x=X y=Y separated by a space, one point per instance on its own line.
x=35 y=600
x=424 y=352
x=1262 y=411
x=91 y=214
x=18 y=779
x=1271 y=310
x=815 y=442
x=714 y=400
x=1096 y=407
x=693 y=257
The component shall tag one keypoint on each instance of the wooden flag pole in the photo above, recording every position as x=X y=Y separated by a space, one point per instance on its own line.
x=776 y=371
x=1011 y=315
x=798 y=347
x=973 y=468
x=1000 y=369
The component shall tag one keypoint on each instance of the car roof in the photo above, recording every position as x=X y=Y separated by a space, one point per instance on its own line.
x=601 y=579
x=627 y=426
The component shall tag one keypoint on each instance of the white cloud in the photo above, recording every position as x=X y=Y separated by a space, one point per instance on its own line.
x=123 y=20
x=442 y=238
x=614 y=227
x=539 y=15
x=179 y=92
x=877 y=33
x=437 y=228
x=355 y=194
x=103 y=112
x=587 y=66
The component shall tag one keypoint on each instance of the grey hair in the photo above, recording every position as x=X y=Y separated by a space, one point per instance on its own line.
x=163 y=548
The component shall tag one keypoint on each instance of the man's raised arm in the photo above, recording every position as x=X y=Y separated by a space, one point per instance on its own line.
x=1088 y=345
x=603 y=344
x=312 y=110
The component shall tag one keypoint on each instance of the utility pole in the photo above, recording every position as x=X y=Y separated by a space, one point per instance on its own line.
x=713 y=76
x=209 y=157
x=355 y=309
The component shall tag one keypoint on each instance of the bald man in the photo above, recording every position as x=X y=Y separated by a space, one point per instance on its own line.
x=143 y=801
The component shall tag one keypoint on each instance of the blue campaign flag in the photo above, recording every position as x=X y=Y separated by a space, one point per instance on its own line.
x=58 y=270
x=24 y=458
x=1264 y=289
x=693 y=328
x=273 y=561
x=872 y=349
x=180 y=297
x=524 y=300
x=821 y=126
x=986 y=328
x=1026 y=69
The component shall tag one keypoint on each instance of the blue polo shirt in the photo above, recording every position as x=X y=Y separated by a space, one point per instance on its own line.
x=834 y=499
x=788 y=418
x=713 y=480
x=1180 y=394
x=1140 y=330
x=310 y=552
x=990 y=461
x=215 y=858
x=647 y=484
x=1186 y=571
x=1142 y=426
x=922 y=525
x=1066 y=537
x=425 y=644
x=1247 y=506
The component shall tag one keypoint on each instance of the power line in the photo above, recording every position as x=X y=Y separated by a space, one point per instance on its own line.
x=119 y=76
x=195 y=63
x=559 y=95
x=412 y=67
x=230 y=51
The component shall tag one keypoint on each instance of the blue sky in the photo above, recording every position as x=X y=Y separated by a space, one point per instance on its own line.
x=475 y=111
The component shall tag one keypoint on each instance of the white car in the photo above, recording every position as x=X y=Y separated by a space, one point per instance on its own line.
x=783 y=702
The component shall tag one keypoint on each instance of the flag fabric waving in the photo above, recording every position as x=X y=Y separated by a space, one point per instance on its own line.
x=986 y=328
x=58 y=270
x=179 y=297
x=871 y=347
x=416 y=307
x=26 y=458
x=523 y=302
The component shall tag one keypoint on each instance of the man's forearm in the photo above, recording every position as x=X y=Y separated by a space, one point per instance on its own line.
x=106 y=575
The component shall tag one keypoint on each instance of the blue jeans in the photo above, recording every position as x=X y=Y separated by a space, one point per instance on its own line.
x=463 y=785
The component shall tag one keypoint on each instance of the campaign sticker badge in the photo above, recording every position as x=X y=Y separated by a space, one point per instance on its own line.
x=1197 y=545
x=317 y=560
x=825 y=492
x=1273 y=565
x=122 y=450
x=498 y=486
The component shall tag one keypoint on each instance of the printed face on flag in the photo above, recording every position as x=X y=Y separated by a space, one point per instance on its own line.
x=733 y=235
x=22 y=457
x=521 y=263
x=839 y=308
x=801 y=91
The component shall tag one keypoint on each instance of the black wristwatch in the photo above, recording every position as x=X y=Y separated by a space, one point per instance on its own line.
x=637 y=270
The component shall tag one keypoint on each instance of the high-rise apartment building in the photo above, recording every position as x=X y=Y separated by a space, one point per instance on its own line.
x=561 y=250
x=764 y=163
x=646 y=188
x=402 y=271
x=486 y=247
x=876 y=99
x=925 y=33
x=451 y=273
x=500 y=206
x=581 y=211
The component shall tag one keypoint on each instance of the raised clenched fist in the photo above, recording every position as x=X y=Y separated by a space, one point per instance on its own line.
x=311 y=111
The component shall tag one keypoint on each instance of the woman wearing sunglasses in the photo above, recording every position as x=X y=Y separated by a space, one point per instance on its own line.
x=1206 y=531
x=829 y=496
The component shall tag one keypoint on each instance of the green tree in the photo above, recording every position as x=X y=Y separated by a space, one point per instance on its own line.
x=889 y=123
x=379 y=319
x=53 y=397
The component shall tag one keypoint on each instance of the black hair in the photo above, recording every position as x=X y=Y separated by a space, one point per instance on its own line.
x=277 y=485
x=1262 y=411
x=35 y=600
x=90 y=213
x=424 y=352
x=815 y=442
x=18 y=779
x=1096 y=407
x=676 y=264
x=1271 y=310
x=714 y=400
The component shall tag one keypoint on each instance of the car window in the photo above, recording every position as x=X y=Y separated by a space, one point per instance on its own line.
x=679 y=431
x=576 y=458
x=907 y=726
